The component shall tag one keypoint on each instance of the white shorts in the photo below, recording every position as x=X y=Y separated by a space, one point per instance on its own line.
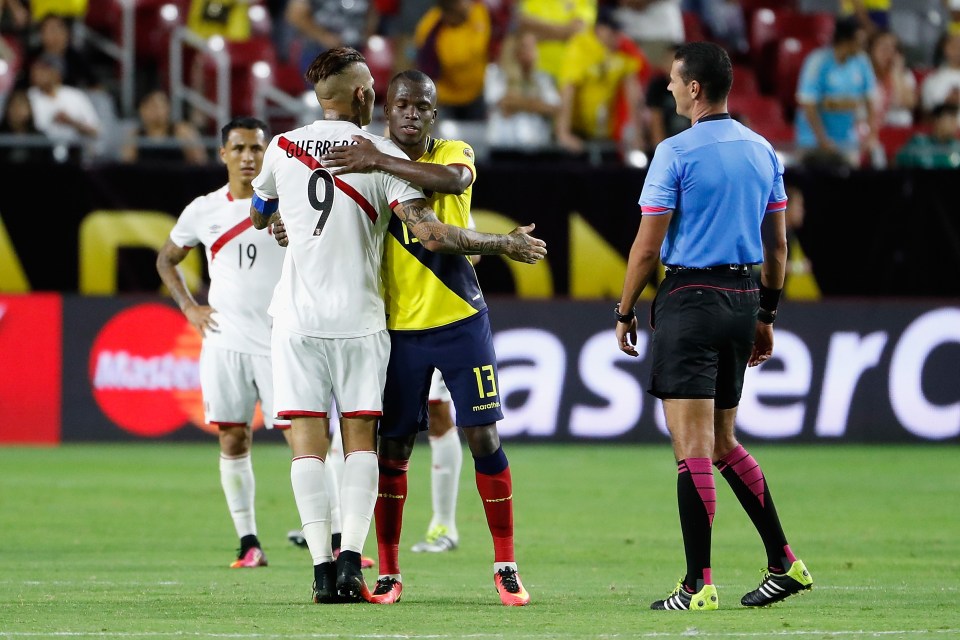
x=438 y=389
x=308 y=371
x=232 y=382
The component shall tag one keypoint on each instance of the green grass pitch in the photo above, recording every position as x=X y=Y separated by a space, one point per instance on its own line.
x=133 y=541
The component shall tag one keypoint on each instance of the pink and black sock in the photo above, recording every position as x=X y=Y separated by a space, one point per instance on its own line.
x=496 y=490
x=697 y=499
x=745 y=477
x=388 y=513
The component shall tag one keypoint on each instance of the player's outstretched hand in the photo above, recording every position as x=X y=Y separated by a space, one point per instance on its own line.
x=280 y=232
x=353 y=158
x=524 y=247
x=762 y=344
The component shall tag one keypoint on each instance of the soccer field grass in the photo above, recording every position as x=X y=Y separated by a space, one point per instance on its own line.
x=133 y=541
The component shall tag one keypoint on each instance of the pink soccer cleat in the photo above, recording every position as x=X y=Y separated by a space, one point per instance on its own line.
x=252 y=558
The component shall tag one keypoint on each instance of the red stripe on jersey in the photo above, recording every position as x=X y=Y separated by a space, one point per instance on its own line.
x=294 y=150
x=357 y=197
x=360 y=414
x=301 y=414
x=777 y=206
x=228 y=236
x=308 y=458
x=229 y=196
x=654 y=209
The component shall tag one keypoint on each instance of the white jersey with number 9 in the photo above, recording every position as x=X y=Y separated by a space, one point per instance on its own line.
x=330 y=285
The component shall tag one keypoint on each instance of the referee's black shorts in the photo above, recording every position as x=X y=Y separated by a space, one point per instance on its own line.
x=703 y=331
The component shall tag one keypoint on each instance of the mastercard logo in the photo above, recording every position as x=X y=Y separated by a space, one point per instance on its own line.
x=145 y=372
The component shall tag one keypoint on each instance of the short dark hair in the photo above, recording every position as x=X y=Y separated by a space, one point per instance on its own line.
x=410 y=75
x=708 y=64
x=332 y=62
x=846 y=30
x=245 y=122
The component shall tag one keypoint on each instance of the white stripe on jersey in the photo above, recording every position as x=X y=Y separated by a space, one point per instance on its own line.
x=244 y=266
x=330 y=286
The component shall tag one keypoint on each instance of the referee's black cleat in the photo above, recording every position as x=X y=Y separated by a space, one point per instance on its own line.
x=350 y=584
x=776 y=586
x=325 y=583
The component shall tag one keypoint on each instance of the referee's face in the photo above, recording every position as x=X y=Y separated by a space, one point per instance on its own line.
x=680 y=91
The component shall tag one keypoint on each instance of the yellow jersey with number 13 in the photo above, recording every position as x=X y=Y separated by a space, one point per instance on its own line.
x=426 y=290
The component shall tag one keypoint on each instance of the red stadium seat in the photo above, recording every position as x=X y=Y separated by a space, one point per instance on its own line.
x=693 y=28
x=745 y=81
x=790 y=54
x=243 y=55
x=381 y=60
x=817 y=27
x=763 y=33
x=763 y=114
x=893 y=138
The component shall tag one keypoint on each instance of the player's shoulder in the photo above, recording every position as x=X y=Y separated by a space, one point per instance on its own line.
x=385 y=145
x=208 y=201
x=450 y=151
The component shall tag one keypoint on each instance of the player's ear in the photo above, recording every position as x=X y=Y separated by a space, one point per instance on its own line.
x=223 y=155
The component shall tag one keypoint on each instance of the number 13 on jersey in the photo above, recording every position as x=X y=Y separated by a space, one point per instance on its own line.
x=486 y=381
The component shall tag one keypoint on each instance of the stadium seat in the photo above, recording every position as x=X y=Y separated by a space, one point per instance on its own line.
x=763 y=114
x=693 y=28
x=243 y=55
x=817 y=27
x=380 y=58
x=762 y=35
x=893 y=138
x=745 y=81
x=790 y=54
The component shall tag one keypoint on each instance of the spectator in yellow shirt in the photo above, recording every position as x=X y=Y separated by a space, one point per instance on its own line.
x=554 y=23
x=453 y=42
x=593 y=77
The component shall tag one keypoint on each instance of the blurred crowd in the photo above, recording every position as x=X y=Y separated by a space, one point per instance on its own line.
x=830 y=82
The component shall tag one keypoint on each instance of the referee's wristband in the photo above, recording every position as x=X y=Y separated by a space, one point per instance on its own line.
x=623 y=317
x=766 y=316
x=769 y=298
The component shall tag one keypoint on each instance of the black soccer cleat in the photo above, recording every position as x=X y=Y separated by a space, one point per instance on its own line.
x=325 y=583
x=777 y=586
x=350 y=584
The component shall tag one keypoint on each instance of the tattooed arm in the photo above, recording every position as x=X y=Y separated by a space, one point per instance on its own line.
x=447 y=238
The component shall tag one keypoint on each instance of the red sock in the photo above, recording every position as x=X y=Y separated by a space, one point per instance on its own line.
x=391 y=496
x=496 y=491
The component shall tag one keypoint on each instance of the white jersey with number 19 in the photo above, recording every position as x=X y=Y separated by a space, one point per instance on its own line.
x=330 y=285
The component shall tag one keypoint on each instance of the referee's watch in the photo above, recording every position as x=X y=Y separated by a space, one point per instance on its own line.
x=623 y=317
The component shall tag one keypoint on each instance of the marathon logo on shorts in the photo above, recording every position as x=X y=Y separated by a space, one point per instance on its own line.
x=315 y=147
x=484 y=407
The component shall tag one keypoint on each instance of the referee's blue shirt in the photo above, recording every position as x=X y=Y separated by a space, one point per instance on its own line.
x=719 y=178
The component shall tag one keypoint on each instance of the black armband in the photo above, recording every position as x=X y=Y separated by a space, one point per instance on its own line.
x=623 y=317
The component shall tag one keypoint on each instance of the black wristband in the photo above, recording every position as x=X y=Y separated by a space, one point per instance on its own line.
x=765 y=316
x=621 y=317
x=769 y=298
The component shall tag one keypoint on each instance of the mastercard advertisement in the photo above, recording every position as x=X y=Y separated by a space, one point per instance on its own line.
x=85 y=368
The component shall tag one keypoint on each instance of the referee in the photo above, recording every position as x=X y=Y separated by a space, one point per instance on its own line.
x=713 y=205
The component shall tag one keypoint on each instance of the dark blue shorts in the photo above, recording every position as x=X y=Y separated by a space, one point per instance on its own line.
x=463 y=352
